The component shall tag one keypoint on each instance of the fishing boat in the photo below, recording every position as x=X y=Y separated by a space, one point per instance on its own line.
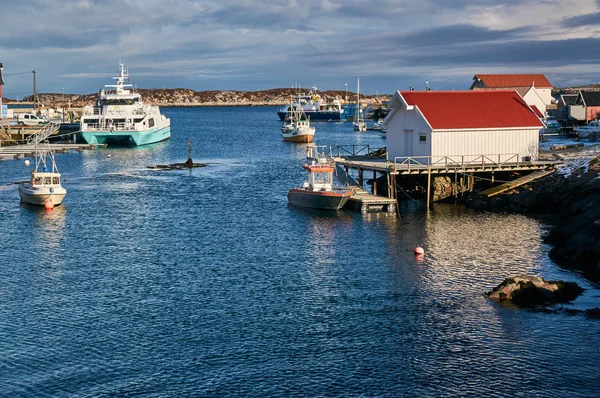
x=44 y=188
x=296 y=126
x=318 y=191
x=315 y=107
x=121 y=117
x=359 y=122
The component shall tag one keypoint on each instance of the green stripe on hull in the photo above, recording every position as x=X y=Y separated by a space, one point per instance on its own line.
x=124 y=138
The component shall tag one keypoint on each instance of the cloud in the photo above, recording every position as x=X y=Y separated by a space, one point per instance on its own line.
x=249 y=45
x=582 y=20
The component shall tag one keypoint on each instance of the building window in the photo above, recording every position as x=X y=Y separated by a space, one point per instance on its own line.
x=422 y=138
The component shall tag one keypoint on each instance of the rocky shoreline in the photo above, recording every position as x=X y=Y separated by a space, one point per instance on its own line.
x=570 y=200
x=185 y=97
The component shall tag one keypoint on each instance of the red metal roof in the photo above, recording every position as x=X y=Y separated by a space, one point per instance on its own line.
x=472 y=109
x=537 y=111
x=510 y=81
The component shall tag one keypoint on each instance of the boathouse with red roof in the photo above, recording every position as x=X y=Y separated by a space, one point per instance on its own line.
x=519 y=82
x=457 y=124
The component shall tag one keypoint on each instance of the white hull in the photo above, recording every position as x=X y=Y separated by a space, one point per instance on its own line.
x=299 y=135
x=40 y=195
x=586 y=132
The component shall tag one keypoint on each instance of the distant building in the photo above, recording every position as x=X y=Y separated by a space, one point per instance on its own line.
x=515 y=82
x=438 y=124
x=586 y=107
x=533 y=98
x=562 y=108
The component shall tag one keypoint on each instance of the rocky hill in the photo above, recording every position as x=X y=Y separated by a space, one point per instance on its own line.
x=187 y=97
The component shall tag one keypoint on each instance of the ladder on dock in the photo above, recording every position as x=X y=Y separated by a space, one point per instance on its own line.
x=488 y=193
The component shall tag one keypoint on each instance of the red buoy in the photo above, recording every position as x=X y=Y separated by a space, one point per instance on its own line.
x=49 y=205
x=419 y=250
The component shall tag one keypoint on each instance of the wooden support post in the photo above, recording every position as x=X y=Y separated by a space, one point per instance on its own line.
x=389 y=186
x=428 y=188
x=374 y=182
x=360 y=177
x=492 y=177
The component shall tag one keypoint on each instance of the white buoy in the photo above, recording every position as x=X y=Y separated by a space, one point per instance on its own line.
x=108 y=156
x=27 y=163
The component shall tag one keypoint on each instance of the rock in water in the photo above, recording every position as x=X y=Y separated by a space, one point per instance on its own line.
x=189 y=163
x=531 y=290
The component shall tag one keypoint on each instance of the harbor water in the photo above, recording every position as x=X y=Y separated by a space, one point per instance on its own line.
x=205 y=282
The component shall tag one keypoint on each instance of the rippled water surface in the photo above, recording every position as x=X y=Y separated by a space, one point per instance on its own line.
x=156 y=283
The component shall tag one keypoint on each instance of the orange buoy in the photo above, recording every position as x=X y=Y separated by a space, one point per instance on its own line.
x=419 y=250
x=49 y=205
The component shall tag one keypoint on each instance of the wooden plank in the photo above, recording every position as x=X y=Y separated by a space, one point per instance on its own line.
x=515 y=183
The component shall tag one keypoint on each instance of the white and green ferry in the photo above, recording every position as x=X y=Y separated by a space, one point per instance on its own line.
x=120 y=117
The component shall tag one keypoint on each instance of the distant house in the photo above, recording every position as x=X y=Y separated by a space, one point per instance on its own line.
x=586 y=107
x=562 y=108
x=515 y=82
x=533 y=98
x=437 y=124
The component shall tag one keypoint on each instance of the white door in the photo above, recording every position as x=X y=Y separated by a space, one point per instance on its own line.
x=408 y=142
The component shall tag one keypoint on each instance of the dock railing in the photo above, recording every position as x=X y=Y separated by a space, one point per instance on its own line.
x=352 y=150
x=456 y=161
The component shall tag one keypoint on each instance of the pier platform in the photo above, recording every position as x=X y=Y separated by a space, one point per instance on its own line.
x=364 y=202
x=28 y=151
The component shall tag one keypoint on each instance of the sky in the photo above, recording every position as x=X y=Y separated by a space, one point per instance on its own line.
x=256 y=45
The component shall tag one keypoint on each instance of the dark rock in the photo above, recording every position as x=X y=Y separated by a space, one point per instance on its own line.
x=531 y=291
x=593 y=313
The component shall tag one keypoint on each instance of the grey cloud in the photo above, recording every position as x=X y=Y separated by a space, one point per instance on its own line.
x=582 y=20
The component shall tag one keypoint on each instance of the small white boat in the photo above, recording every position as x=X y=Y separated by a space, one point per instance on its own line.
x=359 y=122
x=379 y=126
x=296 y=126
x=44 y=188
x=585 y=131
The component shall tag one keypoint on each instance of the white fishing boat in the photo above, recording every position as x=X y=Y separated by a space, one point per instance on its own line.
x=359 y=122
x=585 y=131
x=318 y=191
x=44 y=188
x=296 y=126
x=121 y=117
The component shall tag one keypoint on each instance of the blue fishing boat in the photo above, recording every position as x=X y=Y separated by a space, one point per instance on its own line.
x=314 y=107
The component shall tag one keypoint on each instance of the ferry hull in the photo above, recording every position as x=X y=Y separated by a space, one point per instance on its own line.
x=317 y=116
x=40 y=197
x=326 y=200
x=136 y=138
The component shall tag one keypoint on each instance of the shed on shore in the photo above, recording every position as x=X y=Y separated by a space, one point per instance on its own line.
x=459 y=125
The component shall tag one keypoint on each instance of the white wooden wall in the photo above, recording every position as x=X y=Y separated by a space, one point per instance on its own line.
x=525 y=142
x=403 y=132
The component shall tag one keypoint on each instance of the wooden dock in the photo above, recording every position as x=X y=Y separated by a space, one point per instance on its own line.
x=488 y=193
x=460 y=170
x=28 y=151
x=364 y=202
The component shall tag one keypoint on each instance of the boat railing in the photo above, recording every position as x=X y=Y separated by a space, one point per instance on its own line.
x=456 y=161
x=44 y=133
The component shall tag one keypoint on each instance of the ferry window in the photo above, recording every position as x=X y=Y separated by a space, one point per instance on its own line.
x=55 y=180
x=422 y=138
x=151 y=123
